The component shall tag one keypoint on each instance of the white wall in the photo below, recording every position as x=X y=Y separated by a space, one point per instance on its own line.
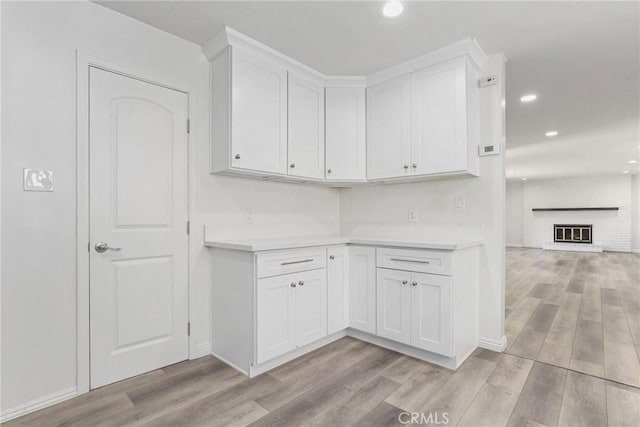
x=382 y=210
x=39 y=42
x=635 y=213
x=612 y=229
x=514 y=212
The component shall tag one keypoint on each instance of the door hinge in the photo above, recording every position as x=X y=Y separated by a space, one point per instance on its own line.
x=188 y=125
x=188 y=227
x=188 y=329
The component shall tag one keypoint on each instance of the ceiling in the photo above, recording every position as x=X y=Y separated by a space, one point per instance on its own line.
x=582 y=59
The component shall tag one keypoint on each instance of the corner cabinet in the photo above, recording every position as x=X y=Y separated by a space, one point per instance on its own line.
x=425 y=123
x=249 y=108
x=277 y=119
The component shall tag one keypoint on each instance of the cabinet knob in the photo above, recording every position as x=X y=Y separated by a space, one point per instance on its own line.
x=237 y=156
x=292 y=165
x=332 y=257
x=404 y=282
x=414 y=166
x=414 y=283
x=293 y=284
x=406 y=166
x=301 y=283
x=328 y=170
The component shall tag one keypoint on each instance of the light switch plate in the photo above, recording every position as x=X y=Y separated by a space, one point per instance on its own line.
x=459 y=204
x=38 y=180
x=413 y=215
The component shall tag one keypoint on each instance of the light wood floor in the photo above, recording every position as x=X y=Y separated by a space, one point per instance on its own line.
x=554 y=325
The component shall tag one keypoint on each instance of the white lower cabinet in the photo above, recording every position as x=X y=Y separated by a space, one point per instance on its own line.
x=362 y=288
x=337 y=289
x=291 y=312
x=415 y=309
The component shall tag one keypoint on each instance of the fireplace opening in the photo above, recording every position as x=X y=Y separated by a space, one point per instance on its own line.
x=572 y=233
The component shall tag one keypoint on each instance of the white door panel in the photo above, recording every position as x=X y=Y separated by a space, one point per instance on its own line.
x=311 y=306
x=439 y=133
x=362 y=288
x=394 y=305
x=276 y=316
x=389 y=129
x=259 y=114
x=306 y=128
x=337 y=291
x=431 y=327
x=138 y=202
x=345 y=134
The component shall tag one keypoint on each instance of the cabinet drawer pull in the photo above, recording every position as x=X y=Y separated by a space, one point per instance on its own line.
x=237 y=156
x=406 y=166
x=410 y=260
x=414 y=283
x=296 y=262
x=293 y=284
x=301 y=283
x=404 y=282
x=332 y=257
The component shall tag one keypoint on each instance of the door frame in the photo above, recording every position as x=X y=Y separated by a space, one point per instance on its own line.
x=84 y=61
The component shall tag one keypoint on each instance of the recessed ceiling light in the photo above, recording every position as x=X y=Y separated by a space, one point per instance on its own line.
x=625 y=171
x=392 y=8
x=551 y=133
x=529 y=98
x=524 y=179
x=633 y=161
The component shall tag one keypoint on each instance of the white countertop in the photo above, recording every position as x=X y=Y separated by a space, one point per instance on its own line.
x=258 y=245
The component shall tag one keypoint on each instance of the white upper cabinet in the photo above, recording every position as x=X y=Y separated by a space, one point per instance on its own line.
x=306 y=127
x=439 y=137
x=250 y=94
x=389 y=129
x=345 y=134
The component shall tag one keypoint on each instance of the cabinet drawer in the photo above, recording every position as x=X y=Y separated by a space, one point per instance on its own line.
x=290 y=261
x=420 y=261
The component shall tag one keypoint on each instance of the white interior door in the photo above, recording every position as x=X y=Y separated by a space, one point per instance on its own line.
x=138 y=207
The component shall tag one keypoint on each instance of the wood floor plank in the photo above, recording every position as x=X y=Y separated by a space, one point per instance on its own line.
x=584 y=401
x=402 y=369
x=588 y=346
x=458 y=392
x=494 y=403
x=420 y=388
x=531 y=339
x=621 y=361
x=558 y=343
x=383 y=415
x=541 y=397
x=623 y=405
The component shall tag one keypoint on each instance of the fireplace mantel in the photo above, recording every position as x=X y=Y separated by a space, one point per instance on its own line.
x=613 y=208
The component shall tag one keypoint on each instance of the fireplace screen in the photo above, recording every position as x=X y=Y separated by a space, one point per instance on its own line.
x=572 y=233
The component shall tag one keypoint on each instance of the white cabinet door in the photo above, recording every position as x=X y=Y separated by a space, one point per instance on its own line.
x=362 y=288
x=431 y=324
x=306 y=128
x=337 y=290
x=276 y=316
x=439 y=117
x=259 y=114
x=311 y=306
x=394 y=305
x=389 y=129
x=345 y=137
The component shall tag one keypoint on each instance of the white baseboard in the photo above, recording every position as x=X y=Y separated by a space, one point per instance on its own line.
x=493 y=345
x=39 y=403
x=202 y=349
x=572 y=247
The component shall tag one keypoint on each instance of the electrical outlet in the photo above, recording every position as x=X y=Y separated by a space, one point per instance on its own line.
x=413 y=215
x=248 y=216
x=459 y=204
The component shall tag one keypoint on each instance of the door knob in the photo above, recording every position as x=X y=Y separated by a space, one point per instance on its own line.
x=103 y=247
